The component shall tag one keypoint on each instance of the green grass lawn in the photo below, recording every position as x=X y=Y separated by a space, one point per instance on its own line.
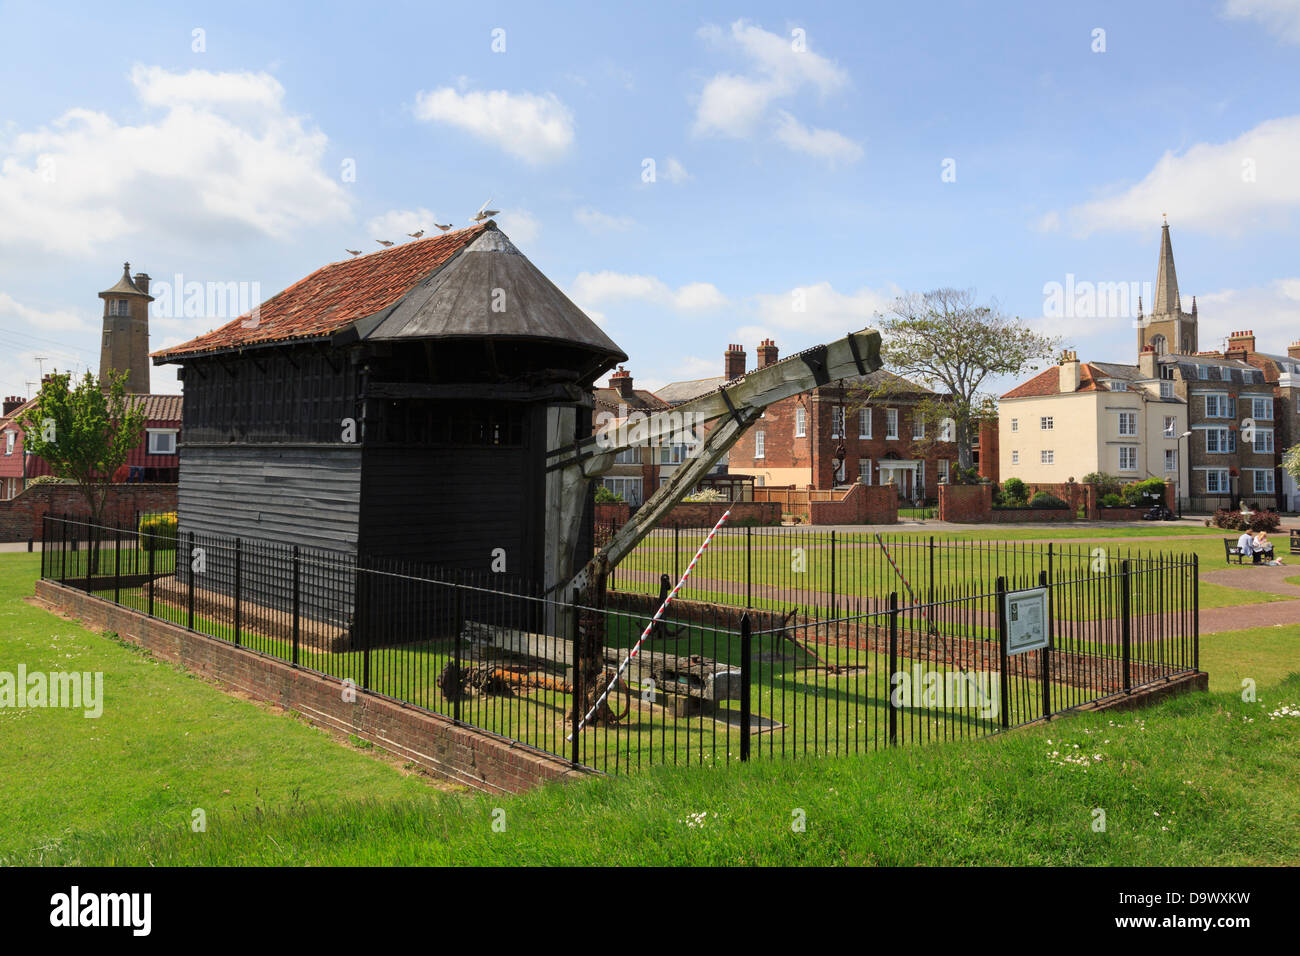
x=1203 y=779
x=167 y=743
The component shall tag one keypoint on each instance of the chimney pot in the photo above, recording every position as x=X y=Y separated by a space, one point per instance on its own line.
x=733 y=362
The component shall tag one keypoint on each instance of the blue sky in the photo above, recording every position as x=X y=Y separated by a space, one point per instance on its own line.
x=796 y=149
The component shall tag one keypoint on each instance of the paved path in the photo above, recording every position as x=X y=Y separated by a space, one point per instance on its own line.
x=1252 y=578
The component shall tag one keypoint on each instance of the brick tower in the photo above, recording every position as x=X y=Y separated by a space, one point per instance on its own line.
x=125 y=346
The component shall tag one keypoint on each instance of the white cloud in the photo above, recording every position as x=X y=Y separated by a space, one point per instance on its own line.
x=1281 y=17
x=734 y=105
x=396 y=224
x=57 y=320
x=221 y=158
x=520 y=225
x=674 y=171
x=1049 y=222
x=821 y=143
x=599 y=287
x=819 y=308
x=596 y=221
x=536 y=128
x=1228 y=187
x=1272 y=312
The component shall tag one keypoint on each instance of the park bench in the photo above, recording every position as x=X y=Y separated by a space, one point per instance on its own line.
x=1295 y=540
x=1230 y=551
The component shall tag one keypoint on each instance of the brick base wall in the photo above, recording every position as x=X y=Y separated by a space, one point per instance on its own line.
x=864 y=504
x=435 y=743
x=1030 y=515
x=705 y=514
x=968 y=503
x=20 y=517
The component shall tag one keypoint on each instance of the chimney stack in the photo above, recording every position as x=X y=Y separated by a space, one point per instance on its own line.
x=1147 y=361
x=1241 y=342
x=733 y=362
x=766 y=353
x=1069 y=371
x=12 y=402
x=1293 y=350
x=141 y=282
x=622 y=380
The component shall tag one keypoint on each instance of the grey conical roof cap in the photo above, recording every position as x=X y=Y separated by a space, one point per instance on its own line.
x=491 y=290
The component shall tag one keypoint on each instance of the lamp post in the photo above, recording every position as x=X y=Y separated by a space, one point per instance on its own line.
x=1178 y=446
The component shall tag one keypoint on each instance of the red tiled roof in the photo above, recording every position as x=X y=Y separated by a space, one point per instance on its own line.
x=1048 y=382
x=336 y=295
x=641 y=399
x=157 y=408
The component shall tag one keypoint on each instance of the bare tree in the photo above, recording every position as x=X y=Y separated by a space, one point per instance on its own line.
x=946 y=341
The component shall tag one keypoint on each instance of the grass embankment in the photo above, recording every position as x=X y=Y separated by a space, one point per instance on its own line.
x=1202 y=779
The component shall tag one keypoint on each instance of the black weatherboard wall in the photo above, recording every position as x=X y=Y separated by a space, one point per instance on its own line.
x=414 y=434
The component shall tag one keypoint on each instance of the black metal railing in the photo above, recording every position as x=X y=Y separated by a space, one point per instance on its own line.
x=892 y=641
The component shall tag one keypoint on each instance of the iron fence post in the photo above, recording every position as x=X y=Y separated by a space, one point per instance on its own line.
x=365 y=618
x=749 y=566
x=1004 y=678
x=576 y=643
x=189 y=618
x=117 y=562
x=63 y=551
x=239 y=566
x=458 y=583
x=1126 y=627
x=150 y=559
x=297 y=601
x=1045 y=665
x=746 y=673
x=931 y=600
x=1196 y=612
x=893 y=666
x=834 y=602
x=676 y=565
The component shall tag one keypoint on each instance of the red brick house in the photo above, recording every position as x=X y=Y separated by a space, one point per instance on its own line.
x=635 y=474
x=796 y=441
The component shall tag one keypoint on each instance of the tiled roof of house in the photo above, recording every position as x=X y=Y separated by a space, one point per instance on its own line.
x=336 y=295
x=157 y=408
x=1048 y=381
x=610 y=399
x=674 y=393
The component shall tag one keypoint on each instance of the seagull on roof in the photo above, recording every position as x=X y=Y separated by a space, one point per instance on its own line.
x=484 y=212
x=383 y=242
x=442 y=227
x=354 y=252
x=416 y=235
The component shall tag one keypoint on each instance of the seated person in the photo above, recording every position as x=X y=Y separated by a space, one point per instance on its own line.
x=1246 y=546
x=1263 y=546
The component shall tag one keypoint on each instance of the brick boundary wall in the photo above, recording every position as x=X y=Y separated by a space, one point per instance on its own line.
x=462 y=755
x=613 y=512
x=863 y=504
x=965 y=503
x=20 y=516
x=705 y=514
x=1029 y=515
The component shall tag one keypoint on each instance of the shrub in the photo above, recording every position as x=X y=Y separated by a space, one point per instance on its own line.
x=1145 y=493
x=1256 y=521
x=1106 y=484
x=1112 y=500
x=706 y=494
x=49 y=480
x=158 y=532
x=1046 y=500
x=1015 y=488
x=605 y=496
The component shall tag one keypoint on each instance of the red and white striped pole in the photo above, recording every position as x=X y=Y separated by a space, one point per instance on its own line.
x=653 y=621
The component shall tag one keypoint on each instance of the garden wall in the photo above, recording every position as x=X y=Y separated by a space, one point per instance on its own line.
x=863 y=504
x=965 y=503
x=1030 y=515
x=705 y=514
x=459 y=754
x=20 y=516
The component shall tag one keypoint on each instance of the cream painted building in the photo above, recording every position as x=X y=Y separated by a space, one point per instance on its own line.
x=1080 y=417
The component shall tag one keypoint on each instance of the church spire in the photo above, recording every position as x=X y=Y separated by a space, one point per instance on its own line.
x=1167 y=301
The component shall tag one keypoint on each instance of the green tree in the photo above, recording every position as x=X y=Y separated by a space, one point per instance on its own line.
x=1291 y=461
x=84 y=433
x=948 y=342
